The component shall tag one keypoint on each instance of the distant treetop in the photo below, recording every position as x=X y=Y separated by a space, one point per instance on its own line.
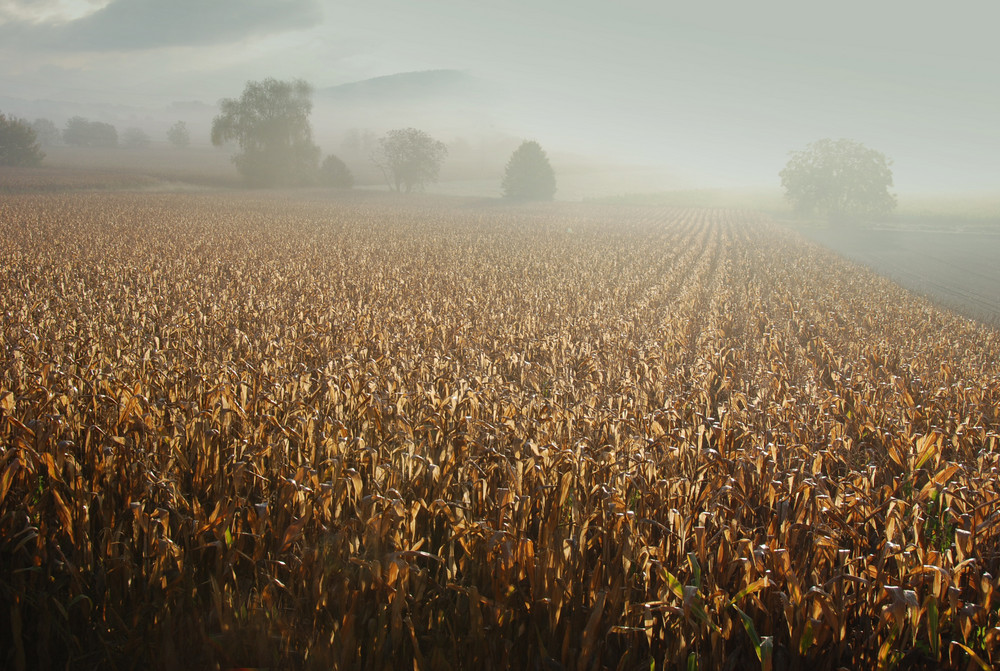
x=178 y=135
x=46 y=132
x=135 y=138
x=529 y=176
x=85 y=133
x=409 y=158
x=270 y=122
x=842 y=179
x=18 y=143
x=335 y=173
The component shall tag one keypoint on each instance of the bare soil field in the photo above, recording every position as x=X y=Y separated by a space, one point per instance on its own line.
x=956 y=268
x=298 y=430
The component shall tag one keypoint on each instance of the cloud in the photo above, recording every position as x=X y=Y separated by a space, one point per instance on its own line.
x=137 y=25
x=47 y=10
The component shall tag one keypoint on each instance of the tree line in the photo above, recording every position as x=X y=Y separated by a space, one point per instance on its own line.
x=30 y=138
x=841 y=179
x=270 y=123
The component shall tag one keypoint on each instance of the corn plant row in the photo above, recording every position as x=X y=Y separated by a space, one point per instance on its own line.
x=291 y=432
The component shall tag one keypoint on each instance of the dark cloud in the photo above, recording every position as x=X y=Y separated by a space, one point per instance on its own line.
x=132 y=25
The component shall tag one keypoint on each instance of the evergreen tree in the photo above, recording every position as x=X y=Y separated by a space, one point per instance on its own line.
x=529 y=176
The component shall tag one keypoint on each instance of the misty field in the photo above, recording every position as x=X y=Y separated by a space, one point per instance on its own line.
x=371 y=433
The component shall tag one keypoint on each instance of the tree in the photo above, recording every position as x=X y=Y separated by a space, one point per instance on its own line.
x=409 y=158
x=178 y=135
x=84 y=133
x=46 y=132
x=358 y=143
x=335 y=173
x=77 y=131
x=135 y=138
x=840 y=178
x=18 y=143
x=529 y=176
x=270 y=122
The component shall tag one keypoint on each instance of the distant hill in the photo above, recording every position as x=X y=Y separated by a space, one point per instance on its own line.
x=445 y=103
x=411 y=98
x=406 y=87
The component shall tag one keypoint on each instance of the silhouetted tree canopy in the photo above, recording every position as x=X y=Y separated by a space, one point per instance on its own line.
x=178 y=135
x=409 y=158
x=529 y=176
x=18 y=143
x=335 y=173
x=84 y=133
x=270 y=122
x=840 y=178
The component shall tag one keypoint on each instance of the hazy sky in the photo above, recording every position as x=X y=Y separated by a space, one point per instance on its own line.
x=722 y=88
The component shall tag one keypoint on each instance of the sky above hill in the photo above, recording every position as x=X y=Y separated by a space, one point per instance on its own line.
x=721 y=89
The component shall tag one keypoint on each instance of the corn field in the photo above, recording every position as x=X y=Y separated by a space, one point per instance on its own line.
x=290 y=432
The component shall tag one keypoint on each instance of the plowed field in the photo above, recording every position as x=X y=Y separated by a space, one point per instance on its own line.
x=957 y=269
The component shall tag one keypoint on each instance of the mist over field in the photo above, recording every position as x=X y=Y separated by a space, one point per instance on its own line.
x=684 y=96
